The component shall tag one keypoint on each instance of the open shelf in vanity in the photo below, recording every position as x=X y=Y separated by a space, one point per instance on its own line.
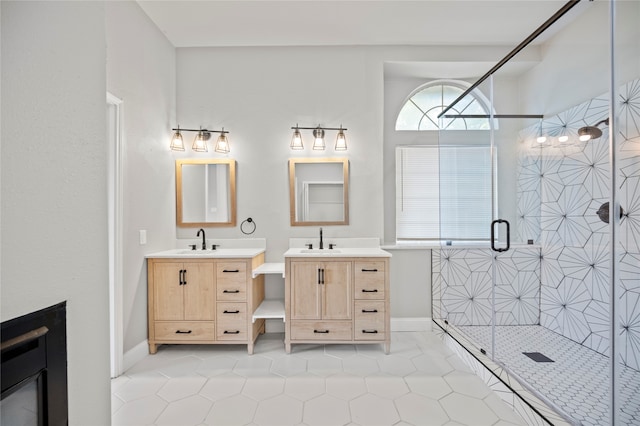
x=269 y=308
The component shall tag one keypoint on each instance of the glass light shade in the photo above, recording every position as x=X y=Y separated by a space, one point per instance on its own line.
x=541 y=139
x=563 y=139
x=296 y=140
x=177 y=144
x=584 y=138
x=341 y=141
x=222 y=145
x=200 y=143
x=318 y=143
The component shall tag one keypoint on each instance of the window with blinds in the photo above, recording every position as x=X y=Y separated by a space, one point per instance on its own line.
x=443 y=193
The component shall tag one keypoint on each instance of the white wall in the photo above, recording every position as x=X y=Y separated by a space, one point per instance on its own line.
x=141 y=72
x=54 y=212
x=258 y=94
x=575 y=67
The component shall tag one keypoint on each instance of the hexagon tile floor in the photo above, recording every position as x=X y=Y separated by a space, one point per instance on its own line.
x=577 y=381
x=421 y=382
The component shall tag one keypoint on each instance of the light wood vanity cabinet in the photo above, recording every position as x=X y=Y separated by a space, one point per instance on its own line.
x=337 y=300
x=203 y=301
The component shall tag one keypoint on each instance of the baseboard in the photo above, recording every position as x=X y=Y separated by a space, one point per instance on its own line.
x=135 y=354
x=411 y=324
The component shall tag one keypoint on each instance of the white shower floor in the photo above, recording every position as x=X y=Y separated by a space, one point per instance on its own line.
x=576 y=382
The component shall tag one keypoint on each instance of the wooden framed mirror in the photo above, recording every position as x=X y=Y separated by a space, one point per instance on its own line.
x=319 y=191
x=205 y=192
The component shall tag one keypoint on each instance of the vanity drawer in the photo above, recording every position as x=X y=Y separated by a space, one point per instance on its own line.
x=231 y=281
x=183 y=331
x=369 y=280
x=321 y=330
x=369 y=332
x=232 y=330
x=231 y=312
x=369 y=320
x=366 y=310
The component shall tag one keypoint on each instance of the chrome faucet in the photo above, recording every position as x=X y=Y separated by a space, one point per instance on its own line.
x=204 y=241
x=321 y=244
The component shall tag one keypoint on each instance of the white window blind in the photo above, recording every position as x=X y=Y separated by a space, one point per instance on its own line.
x=443 y=193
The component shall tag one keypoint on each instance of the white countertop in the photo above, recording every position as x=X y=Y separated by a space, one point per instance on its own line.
x=221 y=253
x=337 y=252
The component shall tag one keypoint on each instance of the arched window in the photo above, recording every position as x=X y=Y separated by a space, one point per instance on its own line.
x=420 y=111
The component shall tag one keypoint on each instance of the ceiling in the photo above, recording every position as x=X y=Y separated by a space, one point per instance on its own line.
x=203 y=23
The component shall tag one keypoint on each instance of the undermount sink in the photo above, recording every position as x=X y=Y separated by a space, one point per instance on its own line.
x=189 y=251
x=323 y=251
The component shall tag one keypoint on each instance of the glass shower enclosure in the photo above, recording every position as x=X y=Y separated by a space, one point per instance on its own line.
x=542 y=298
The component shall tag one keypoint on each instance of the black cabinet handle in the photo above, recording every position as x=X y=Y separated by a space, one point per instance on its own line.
x=231 y=270
x=232 y=332
x=322 y=282
x=372 y=311
x=370 y=331
x=321 y=331
x=180 y=279
x=231 y=291
x=369 y=270
x=319 y=269
x=183 y=332
x=231 y=312
x=364 y=290
x=184 y=277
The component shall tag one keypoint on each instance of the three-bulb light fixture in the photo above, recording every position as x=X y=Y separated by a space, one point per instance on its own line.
x=318 y=138
x=200 y=141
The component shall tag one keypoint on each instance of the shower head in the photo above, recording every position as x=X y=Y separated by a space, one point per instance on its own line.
x=591 y=132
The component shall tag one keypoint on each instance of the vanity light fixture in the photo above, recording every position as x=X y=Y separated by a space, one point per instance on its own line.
x=200 y=141
x=222 y=145
x=341 y=141
x=318 y=139
x=318 y=135
x=177 y=143
x=296 y=140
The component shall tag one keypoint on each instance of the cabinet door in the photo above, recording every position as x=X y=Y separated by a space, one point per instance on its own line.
x=167 y=291
x=306 y=291
x=337 y=291
x=199 y=292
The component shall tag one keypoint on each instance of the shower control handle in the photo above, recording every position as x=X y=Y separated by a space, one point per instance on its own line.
x=493 y=241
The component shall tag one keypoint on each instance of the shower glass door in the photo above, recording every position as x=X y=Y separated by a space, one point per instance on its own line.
x=549 y=292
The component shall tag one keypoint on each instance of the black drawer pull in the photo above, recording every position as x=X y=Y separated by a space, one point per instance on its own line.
x=231 y=291
x=370 y=331
x=183 y=332
x=231 y=270
x=231 y=312
x=232 y=332
x=321 y=331
x=369 y=270
x=364 y=290
x=367 y=311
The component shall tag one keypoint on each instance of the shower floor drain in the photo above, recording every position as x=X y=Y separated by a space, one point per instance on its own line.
x=538 y=357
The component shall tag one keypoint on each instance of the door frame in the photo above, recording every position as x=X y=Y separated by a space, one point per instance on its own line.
x=115 y=215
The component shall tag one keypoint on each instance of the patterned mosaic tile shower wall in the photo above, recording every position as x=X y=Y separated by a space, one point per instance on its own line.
x=462 y=280
x=561 y=188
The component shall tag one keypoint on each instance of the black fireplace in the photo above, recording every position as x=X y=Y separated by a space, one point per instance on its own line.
x=34 y=368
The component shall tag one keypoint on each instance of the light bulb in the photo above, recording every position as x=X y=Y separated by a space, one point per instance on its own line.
x=341 y=141
x=296 y=140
